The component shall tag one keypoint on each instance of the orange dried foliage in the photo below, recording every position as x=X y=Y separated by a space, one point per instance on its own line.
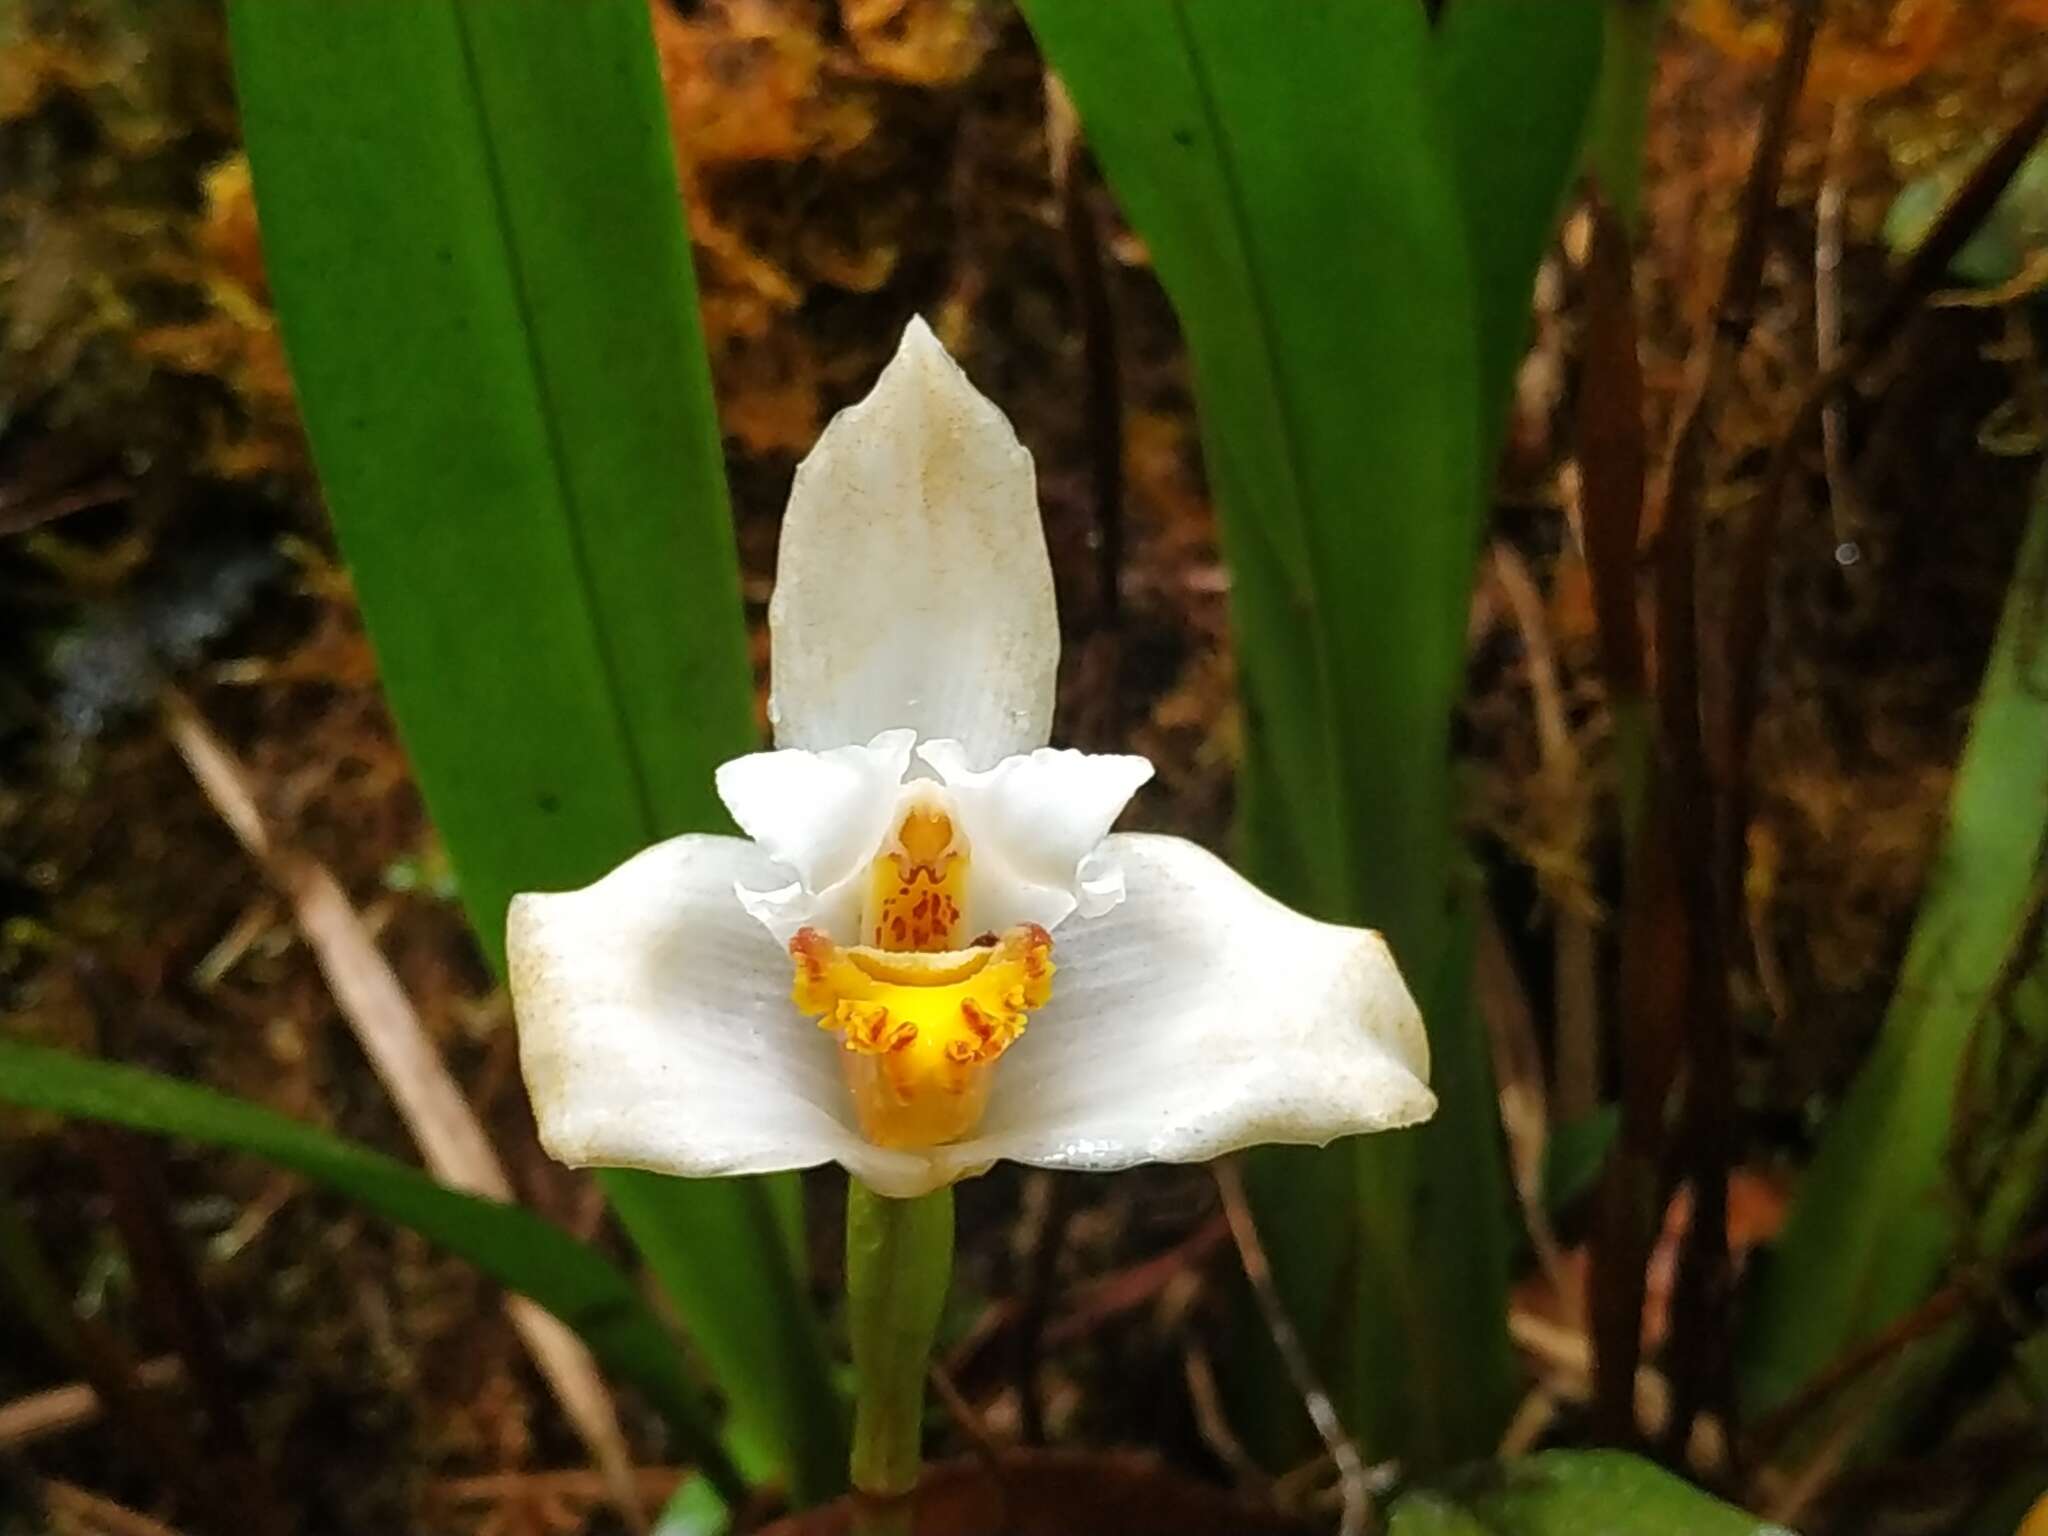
x=1757 y=1204
x=919 y=42
x=1864 y=50
x=753 y=85
x=237 y=340
x=749 y=80
x=33 y=70
x=1573 y=621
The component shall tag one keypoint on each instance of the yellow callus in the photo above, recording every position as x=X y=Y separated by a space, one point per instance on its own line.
x=922 y=1029
x=917 y=886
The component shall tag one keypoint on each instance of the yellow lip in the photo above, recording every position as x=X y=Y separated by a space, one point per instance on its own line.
x=921 y=1031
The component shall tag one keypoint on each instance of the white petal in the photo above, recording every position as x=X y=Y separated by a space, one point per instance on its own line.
x=1197 y=1018
x=1034 y=824
x=656 y=1030
x=912 y=586
x=784 y=911
x=822 y=813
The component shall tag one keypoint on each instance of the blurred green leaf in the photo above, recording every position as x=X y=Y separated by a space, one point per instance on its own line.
x=1431 y=1514
x=2014 y=235
x=1517 y=82
x=1877 y=1219
x=1621 y=103
x=511 y=1245
x=695 y=1509
x=1574 y=1155
x=1574 y=1493
x=1286 y=169
x=474 y=238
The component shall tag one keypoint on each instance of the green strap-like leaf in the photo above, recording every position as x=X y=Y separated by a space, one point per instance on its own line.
x=1621 y=104
x=1574 y=1493
x=1286 y=168
x=1516 y=81
x=511 y=1245
x=474 y=238
x=1875 y=1221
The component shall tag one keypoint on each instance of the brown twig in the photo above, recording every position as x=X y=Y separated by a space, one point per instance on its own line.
x=1748 y=623
x=1576 y=994
x=1613 y=453
x=1074 y=179
x=1959 y=219
x=1809 y=1480
x=1518 y=1079
x=18 y=513
x=655 y=1484
x=150 y=1431
x=1702 y=1293
x=1830 y=211
x=1074 y=182
x=58 y=1410
x=1034 y=1304
x=1116 y=1294
x=168 y=1284
x=1099 y=1303
x=370 y=996
x=1354 y=1480
x=177 y=1307
x=1749 y=605
x=1212 y=1419
x=1655 y=981
x=1853 y=1365
x=1698 y=1024
x=1071 y=1491
x=545 y=1500
x=74 y=1509
x=964 y=1418
x=1565 y=1355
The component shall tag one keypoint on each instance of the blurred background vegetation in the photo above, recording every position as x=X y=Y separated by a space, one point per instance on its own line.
x=185 y=659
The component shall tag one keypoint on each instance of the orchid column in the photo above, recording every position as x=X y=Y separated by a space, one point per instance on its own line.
x=929 y=952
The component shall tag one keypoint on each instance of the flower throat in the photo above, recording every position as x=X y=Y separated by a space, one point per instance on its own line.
x=921 y=1017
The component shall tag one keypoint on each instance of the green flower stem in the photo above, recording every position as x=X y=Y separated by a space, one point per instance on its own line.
x=899 y=1261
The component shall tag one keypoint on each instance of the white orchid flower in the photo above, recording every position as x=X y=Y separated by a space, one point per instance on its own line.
x=916 y=855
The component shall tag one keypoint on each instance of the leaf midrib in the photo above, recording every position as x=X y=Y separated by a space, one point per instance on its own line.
x=557 y=451
x=1267 y=326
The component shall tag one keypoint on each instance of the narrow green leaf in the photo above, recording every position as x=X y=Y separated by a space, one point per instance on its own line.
x=1574 y=1493
x=1621 y=104
x=1424 y=1513
x=511 y=1245
x=1876 y=1220
x=1517 y=82
x=474 y=238
x=1286 y=169
x=475 y=242
x=2013 y=234
x=694 y=1510
x=723 y=1254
